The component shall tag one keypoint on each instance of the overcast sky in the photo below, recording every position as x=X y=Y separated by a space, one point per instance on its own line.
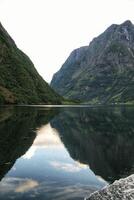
x=48 y=30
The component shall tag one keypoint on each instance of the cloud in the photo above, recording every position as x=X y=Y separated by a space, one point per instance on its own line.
x=26 y=186
x=65 y=191
x=68 y=167
x=17 y=185
x=46 y=137
x=30 y=153
x=17 y=188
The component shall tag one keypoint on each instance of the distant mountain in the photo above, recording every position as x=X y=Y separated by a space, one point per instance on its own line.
x=20 y=83
x=102 y=72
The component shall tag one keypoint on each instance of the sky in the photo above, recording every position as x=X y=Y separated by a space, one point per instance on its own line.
x=49 y=30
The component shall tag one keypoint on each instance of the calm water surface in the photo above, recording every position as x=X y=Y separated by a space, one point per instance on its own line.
x=63 y=153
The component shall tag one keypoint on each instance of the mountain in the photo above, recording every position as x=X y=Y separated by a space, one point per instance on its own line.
x=20 y=83
x=102 y=72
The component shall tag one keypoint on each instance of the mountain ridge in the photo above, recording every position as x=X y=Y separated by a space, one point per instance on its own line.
x=20 y=83
x=101 y=72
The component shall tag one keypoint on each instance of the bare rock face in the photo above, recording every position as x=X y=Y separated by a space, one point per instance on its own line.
x=102 y=72
x=119 y=190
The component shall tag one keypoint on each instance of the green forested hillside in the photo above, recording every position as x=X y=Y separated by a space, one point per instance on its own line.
x=20 y=83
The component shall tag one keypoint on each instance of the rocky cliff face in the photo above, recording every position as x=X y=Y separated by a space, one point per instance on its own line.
x=102 y=72
x=20 y=83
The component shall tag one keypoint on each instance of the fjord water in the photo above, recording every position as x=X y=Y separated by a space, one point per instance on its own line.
x=63 y=153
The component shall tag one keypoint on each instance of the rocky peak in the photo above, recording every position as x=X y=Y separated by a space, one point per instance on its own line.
x=103 y=71
x=125 y=31
x=127 y=23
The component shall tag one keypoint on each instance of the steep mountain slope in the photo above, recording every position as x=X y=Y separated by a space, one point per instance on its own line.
x=102 y=72
x=20 y=83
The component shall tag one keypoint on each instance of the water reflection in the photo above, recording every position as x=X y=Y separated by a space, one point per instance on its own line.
x=45 y=169
x=102 y=138
x=63 y=153
x=16 y=133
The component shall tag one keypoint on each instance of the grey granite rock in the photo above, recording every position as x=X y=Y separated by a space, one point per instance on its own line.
x=122 y=189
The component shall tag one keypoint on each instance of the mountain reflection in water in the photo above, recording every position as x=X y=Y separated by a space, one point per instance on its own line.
x=102 y=138
x=63 y=153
